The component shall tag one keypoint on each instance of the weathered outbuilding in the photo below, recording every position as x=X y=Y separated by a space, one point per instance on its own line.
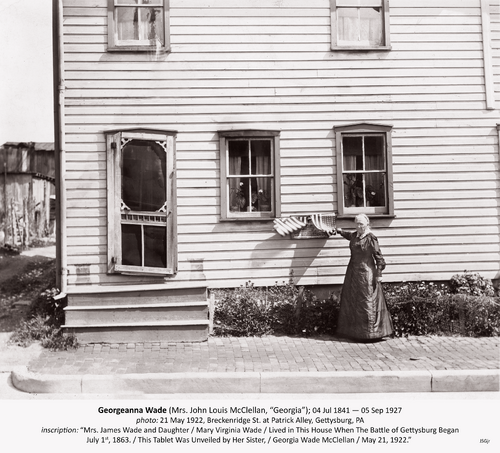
x=27 y=183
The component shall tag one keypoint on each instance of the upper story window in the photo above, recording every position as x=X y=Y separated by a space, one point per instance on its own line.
x=360 y=24
x=249 y=174
x=138 y=25
x=364 y=169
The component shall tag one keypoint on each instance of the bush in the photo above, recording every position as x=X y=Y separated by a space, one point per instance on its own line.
x=49 y=306
x=281 y=309
x=472 y=284
x=465 y=307
x=241 y=312
x=481 y=315
x=472 y=316
x=50 y=337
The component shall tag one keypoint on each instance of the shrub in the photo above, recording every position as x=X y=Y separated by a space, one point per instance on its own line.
x=481 y=315
x=49 y=306
x=243 y=311
x=38 y=329
x=321 y=316
x=417 y=308
x=33 y=329
x=281 y=309
x=472 y=284
x=429 y=309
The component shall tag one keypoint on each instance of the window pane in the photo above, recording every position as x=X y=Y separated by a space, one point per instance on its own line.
x=353 y=190
x=144 y=176
x=131 y=245
x=375 y=189
x=347 y=3
x=348 y=26
x=239 y=194
x=151 y=25
x=261 y=157
x=127 y=24
x=352 y=153
x=371 y=26
x=238 y=157
x=126 y=2
x=261 y=194
x=140 y=24
x=155 y=246
x=360 y=26
x=374 y=153
x=359 y=2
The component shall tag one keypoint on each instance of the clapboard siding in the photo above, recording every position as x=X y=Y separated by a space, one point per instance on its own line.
x=260 y=65
x=495 y=45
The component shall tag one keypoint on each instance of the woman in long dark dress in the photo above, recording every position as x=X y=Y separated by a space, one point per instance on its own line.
x=363 y=312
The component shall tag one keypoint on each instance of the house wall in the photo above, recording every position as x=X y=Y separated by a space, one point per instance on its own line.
x=495 y=45
x=268 y=65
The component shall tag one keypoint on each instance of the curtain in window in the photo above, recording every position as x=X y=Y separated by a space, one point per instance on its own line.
x=360 y=26
x=349 y=163
x=139 y=24
x=261 y=198
x=375 y=182
x=234 y=183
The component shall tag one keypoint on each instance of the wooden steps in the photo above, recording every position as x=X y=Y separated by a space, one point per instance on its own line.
x=132 y=315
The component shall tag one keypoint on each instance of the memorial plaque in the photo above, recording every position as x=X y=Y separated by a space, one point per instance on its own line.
x=311 y=232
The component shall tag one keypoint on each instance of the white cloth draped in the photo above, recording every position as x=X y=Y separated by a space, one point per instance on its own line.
x=287 y=225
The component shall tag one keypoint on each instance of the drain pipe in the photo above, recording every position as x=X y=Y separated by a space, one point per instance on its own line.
x=59 y=139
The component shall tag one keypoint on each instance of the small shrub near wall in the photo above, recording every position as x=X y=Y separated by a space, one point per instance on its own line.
x=242 y=312
x=44 y=323
x=281 y=309
x=466 y=306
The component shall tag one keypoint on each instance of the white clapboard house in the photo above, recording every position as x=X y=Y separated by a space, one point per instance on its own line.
x=186 y=127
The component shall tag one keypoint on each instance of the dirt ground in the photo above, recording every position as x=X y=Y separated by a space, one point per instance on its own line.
x=22 y=277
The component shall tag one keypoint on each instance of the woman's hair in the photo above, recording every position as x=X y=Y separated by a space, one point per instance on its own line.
x=362 y=217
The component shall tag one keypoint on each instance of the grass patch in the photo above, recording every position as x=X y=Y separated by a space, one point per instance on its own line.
x=45 y=314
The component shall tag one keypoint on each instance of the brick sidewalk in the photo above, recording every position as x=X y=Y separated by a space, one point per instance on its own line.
x=274 y=354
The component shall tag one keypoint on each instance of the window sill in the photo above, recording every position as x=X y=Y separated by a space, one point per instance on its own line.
x=371 y=216
x=248 y=219
x=155 y=49
x=360 y=49
x=142 y=271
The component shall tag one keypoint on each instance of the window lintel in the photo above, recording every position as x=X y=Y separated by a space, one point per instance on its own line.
x=141 y=130
x=248 y=133
x=363 y=127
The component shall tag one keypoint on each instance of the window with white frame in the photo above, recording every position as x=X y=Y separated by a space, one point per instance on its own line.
x=360 y=24
x=138 y=25
x=364 y=169
x=141 y=204
x=249 y=174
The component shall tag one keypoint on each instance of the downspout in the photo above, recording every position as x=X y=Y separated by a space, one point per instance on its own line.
x=59 y=148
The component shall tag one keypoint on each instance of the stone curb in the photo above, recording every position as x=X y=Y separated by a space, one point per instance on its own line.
x=261 y=382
